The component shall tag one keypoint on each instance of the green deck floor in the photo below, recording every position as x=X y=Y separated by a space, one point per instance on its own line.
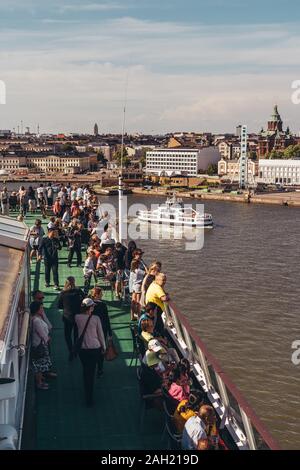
x=62 y=419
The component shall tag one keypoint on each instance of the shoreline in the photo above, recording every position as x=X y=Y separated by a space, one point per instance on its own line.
x=289 y=199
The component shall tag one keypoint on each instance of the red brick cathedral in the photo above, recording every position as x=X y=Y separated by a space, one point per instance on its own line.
x=274 y=138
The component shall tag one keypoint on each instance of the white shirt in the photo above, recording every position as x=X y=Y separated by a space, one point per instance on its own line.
x=79 y=193
x=89 y=267
x=40 y=331
x=40 y=191
x=93 y=337
x=194 y=431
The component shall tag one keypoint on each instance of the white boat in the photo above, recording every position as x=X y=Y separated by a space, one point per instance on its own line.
x=173 y=212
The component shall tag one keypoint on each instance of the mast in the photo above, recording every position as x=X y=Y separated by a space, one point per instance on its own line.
x=121 y=215
x=121 y=198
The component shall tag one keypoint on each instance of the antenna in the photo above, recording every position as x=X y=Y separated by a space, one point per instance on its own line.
x=121 y=200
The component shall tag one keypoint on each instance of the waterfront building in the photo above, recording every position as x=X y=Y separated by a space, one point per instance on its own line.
x=62 y=163
x=12 y=161
x=274 y=137
x=279 y=171
x=231 y=169
x=5 y=133
x=187 y=162
x=230 y=149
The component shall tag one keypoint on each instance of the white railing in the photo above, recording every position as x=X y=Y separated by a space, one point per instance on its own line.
x=235 y=413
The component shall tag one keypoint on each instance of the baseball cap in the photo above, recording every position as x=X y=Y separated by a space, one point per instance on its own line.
x=88 y=302
x=154 y=345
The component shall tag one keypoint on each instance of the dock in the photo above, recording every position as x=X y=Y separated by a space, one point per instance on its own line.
x=61 y=419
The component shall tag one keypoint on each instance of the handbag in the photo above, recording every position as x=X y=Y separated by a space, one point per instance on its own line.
x=37 y=352
x=78 y=344
x=111 y=352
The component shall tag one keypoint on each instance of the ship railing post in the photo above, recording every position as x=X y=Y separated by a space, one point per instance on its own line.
x=188 y=342
x=248 y=430
x=204 y=366
x=222 y=390
x=170 y=317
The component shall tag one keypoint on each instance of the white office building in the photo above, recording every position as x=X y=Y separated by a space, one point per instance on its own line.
x=279 y=171
x=178 y=161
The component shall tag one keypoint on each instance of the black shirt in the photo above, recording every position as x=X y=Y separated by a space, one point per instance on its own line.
x=150 y=380
x=49 y=248
x=100 y=310
x=70 y=302
x=120 y=257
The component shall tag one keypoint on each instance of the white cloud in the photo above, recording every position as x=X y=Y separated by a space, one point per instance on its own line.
x=181 y=76
x=91 y=7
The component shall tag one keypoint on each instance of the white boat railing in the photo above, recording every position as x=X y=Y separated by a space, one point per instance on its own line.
x=235 y=413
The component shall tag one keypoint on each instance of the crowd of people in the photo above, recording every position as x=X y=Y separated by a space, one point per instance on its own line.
x=77 y=222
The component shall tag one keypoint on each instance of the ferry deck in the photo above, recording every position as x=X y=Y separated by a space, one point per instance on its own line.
x=62 y=419
x=57 y=419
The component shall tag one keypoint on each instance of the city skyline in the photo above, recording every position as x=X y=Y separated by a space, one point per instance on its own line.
x=201 y=66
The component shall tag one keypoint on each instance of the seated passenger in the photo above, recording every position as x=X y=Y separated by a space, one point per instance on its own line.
x=194 y=436
x=151 y=380
x=208 y=416
x=167 y=356
x=178 y=388
x=187 y=408
x=149 y=313
x=148 y=333
x=200 y=431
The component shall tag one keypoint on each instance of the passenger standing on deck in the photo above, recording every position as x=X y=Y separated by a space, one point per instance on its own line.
x=31 y=200
x=36 y=238
x=49 y=250
x=129 y=255
x=49 y=190
x=152 y=271
x=4 y=198
x=158 y=296
x=40 y=356
x=42 y=200
x=89 y=270
x=23 y=201
x=100 y=310
x=93 y=345
x=74 y=241
x=70 y=302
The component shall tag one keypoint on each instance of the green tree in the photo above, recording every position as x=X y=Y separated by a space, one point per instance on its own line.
x=292 y=151
x=101 y=157
x=275 y=154
x=212 y=169
x=143 y=156
x=126 y=159
x=68 y=147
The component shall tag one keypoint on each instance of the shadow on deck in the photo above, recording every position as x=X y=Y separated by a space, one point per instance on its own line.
x=62 y=419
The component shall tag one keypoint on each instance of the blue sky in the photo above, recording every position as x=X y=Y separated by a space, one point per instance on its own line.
x=191 y=65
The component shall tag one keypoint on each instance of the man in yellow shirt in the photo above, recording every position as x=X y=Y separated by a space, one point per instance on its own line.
x=156 y=294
